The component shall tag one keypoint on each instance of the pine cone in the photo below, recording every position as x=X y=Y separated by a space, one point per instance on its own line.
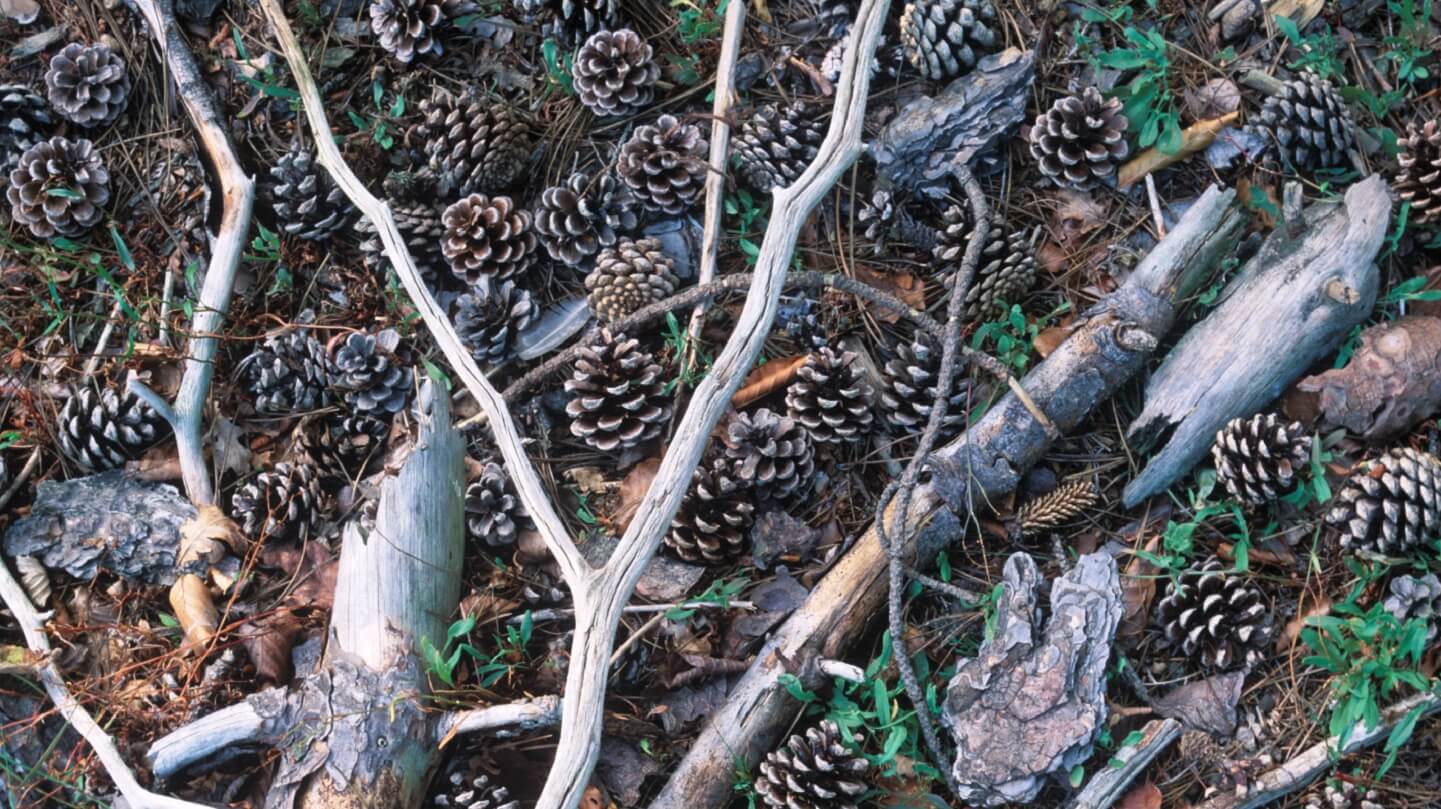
x=58 y=188
x=775 y=145
x=1006 y=270
x=102 y=429
x=279 y=504
x=618 y=397
x=344 y=446
x=1413 y=597
x=945 y=38
x=493 y=512
x=771 y=453
x=1343 y=795
x=1214 y=617
x=878 y=216
x=713 y=524
x=831 y=398
x=1310 y=123
x=909 y=389
x=487 y=237
x=288 y=373
x=582 y=215
x=1391 y=505
x=1056 y=508
x=629 y=276
x=306 y=202
x=570 y=22
x=1259 y=459
x=24 y=121
x=541 y=589
x=478 y=792
x=615 y=73
x=369 y=375
x=408 y=28
x=417 y=218
x=474 y=143
x=87 y=84
x=813 y=771
x=489 y=316
x=1419 y=181
x=665 y=165
x=1080 y=140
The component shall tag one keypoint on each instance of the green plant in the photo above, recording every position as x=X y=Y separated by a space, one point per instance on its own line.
x=691 y=366
x=720 y=592
x=696 y=21
x=1410 y=49
x=1318 y=51
x=749 y=215
x=1011 y=337
x=557 y=67
x=378 y=124
x=268 y=80
x=1178 y=539
x=1150 y=106
x=510 y=651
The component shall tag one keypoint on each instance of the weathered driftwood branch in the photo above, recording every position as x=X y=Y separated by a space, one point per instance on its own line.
x=1109 y=345
x=1109 y=784
x=503 y=719
x=1288 y=307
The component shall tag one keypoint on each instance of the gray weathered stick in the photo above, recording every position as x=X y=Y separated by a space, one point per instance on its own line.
x=1109 y=784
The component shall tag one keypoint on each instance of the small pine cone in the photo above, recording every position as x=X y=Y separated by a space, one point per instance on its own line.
x=58 y=188
x=1413 y=597
x=1007 y=265
x=771 y=453
x=411 y=199
x=713 y=524
x=582 y=215
x=24 y=121
x=776 y=144
x=878 y=216
x=1343 y=795
x=615 y=73
x=570 y=22
x=831 y=398
x=1056 y=508
x=487 y=237
x=307 y=203
x=1310 y=123
x=908 y=392
x=102 y=429
x=1391 y=505
x=279 y=504
x=945 y=38
x=369 y=375
x=1081 y=140
x=87 y=84
x=460 y=791
x=618 y=397
x=409 y=28
x=489 y=316
x=493 y=512
x=473 y=143
x=1216 y=618
x=288 y=373
x=345 y=446
x=665 y=165
x=1419 y=181
x=814 y=771
x=1259 y=459
x=629 y=276
x=541 y=589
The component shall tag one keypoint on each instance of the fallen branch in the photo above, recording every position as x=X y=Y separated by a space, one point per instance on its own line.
x=1109 y=784
x=510 y=717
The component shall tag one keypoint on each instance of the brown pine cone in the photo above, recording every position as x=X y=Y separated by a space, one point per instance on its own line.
x=1215 y=617
x=615 y=73
x=1390 y=506
x=1081 y=140
x=665 y=165
x=582 y=215
x=775 y=145
x=58 y=188
x=713 y=524
x=409 y=28
x=1260 y=459
x=474 y=143
x=618 y=396
x=487 y=236
x=908 y=392
x=814 y=770
x=570 y=22
x=771 y=453
x=629 y=276
x=1056 y=507
x=87 y=84
x=1419 y=181
x=24 y=121
x=831 y=398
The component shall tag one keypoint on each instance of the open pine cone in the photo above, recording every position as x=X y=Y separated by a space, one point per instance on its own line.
x=489 y=316
x=344 y=446
x=288 y=373
x=831 y=398
x=493 y=512
x=410 y=28
x=908 y=393
x=59 y=188
x=629 y=276
x=1056 y=508
x=1391 y=505
x=1259 y=459
x=487 y=237
x=776 y=144
x=411 y=199
x=1419 y=181
x=1413 y=597
x=665 y=165
x=618 y=396
x=615 y=73
x=87 y=84
x=945 y=38
x=1006 y=270
x=570 y=22
x=25 y=120
x=474 y=143
x=1309 y=123
x=1216 y=618
x=814 y=770
x=100 y=429
x=307 y=203
x=280 y=504
x=713 y=524
x=1081 y=140
x=582 y=215
x=369 y=375
x=772 y=454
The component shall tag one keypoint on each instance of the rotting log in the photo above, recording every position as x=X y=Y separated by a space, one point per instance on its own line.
x=1288 y=307
x=1108 y=346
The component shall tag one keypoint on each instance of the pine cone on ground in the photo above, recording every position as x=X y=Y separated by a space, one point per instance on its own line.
x=1081 y=140
x=1419 y=181
x=369 y=375
x=831 y=398
x=570 y=22
x=908 y=392
x=474 y=143
x=945 y=38
x=345 y=446
x=1006 y=270
x=615 y=73
x=489 y=316
x=307 y=203
x=1216 y=618
x=24 y=121
x=1056 y=508
x=279 y=504
x=877 y=216
x=771 y=453
x=487 y=237
x=409 y=28
x=1260 y=459
x=59 y=188
x=1309 y=122
x=288 y=373
x=582 y=215
x=87 y=84
x=776 y=144
x=493 y=512
x=410 y=196
x=629 y=276
x=541 y=589
x=102 y=429
x=665 y=165
x=1392 y=505
x=813 y=771
x=618 y=396
x=479 y=792
x=1411 y=597
x=1343 y=795
x=713 y=524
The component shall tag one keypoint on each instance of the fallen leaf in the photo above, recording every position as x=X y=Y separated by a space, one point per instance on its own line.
x=1138 y=588
x=207 y=537
x=1052 y=336
x=1078 y=215
x=269 y=643
x=1142 y=796
x=195 y=610
x=623 y=767
x=1213 y=99
x=777 y=535
x=159 y=463
x=1194 y=139
x=632 y=491
x=1208 y=705
x=1261 y=200
x=1053 y=259
x=228 y=447
x=910 y=289
x=589 y=479
x=773 y=376
x=1301 y=12
x=1310 y=606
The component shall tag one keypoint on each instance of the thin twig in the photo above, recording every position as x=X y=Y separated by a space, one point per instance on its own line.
x=31 y=464
x=562 y=613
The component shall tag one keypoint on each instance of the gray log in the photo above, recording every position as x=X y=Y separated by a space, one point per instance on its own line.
x=1289 y=306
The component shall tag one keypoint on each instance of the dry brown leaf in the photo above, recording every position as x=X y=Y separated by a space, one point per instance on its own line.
x=1194 y=139
x=910 y=289
x=269 y=643
x=207 y=537
x=1142 y=796
x=1053 y=259
x=1301 y=12
x=767 y=379
x=632 y=491
x=1313 y=607
x=1078 y=215
x=1138 y=588
x=195 y=610
x=589 y=479
x=594 y=798
x=159 y=463
x=1247 y=191
x=1052 y=336
x=1213 y=99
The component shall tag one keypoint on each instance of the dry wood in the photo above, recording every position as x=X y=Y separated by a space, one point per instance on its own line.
x=1109 y=784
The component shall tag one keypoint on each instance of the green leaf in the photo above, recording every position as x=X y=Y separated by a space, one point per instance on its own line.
x=126 y=258
x=1078 y=776
x=66 y=193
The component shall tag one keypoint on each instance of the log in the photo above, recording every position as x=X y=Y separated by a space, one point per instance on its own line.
x=1289 y=306
x=1109 y=345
